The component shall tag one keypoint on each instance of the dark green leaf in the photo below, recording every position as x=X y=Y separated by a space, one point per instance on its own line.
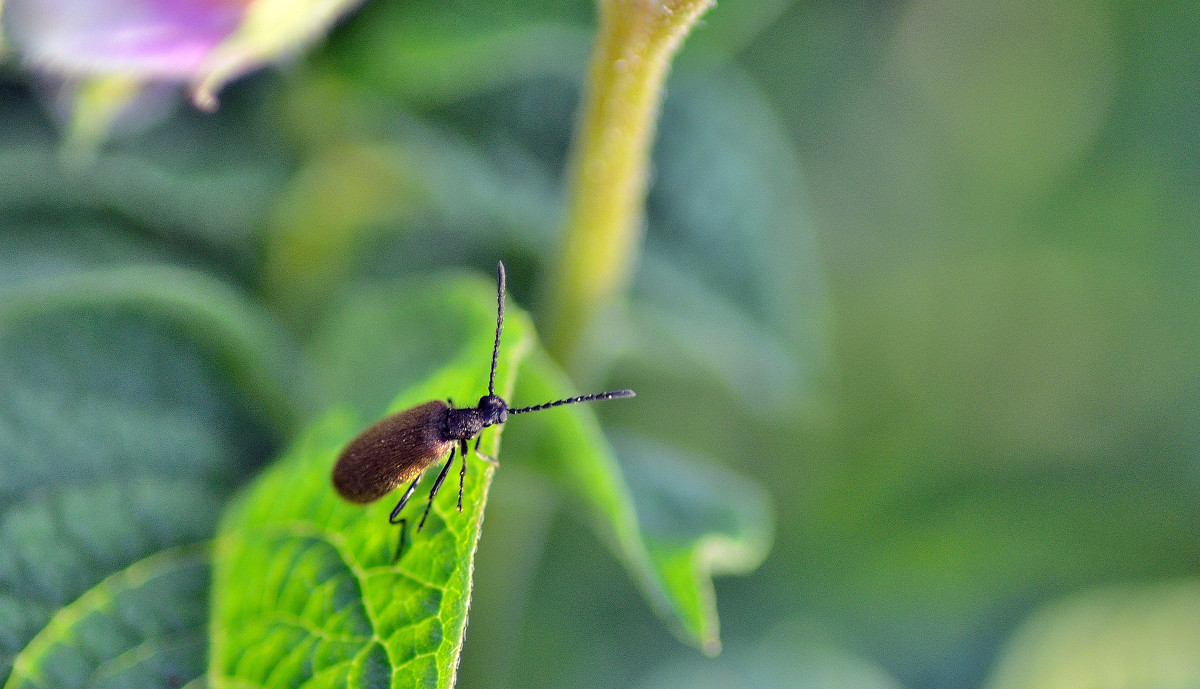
x=731 y=279
x=402 y=203
x=699 y=520
x=194 y=306
x=36 y=251
x=389 y=336
x=221 y=206
x=124 y=421
x=430 y=51
x=196 y=190
x=142 y=626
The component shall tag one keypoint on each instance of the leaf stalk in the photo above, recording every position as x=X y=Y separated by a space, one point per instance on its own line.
x=608 y=173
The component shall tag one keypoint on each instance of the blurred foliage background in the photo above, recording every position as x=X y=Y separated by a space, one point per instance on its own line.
x=925 y=271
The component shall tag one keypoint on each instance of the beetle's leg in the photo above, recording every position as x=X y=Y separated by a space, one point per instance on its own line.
x=436 y=485
x=402 y=522
x=462 y=471
x=404 y=500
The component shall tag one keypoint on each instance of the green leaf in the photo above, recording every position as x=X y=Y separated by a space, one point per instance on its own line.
x=145 y=624
x=304 y=583
x=240 y=338
x=791 y=655
x=1120 y=637
x=696 y=519
x=37 y=251
x=699 y=520
x=305 y=591
x=127 y=411
x=219 y=206
x=403 y=331
x=197 y=189
x=429 y=51
x=730 y=27
x=411 y=178
x=59 y=544
x=731 y=280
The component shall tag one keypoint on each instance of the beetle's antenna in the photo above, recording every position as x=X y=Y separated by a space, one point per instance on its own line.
x=615 y=394
x=499 y=324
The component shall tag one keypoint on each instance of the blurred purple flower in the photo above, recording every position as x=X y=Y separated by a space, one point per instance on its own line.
x=113 y=64
x=154 y=39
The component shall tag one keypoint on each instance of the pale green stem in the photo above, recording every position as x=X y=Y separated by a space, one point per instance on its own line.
x=611 y=153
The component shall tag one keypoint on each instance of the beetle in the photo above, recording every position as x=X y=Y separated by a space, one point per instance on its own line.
x=400 y=447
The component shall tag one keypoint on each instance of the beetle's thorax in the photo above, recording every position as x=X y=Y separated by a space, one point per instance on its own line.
x=462 y=424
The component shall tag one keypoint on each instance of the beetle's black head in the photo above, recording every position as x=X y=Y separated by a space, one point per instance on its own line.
x=492 y=410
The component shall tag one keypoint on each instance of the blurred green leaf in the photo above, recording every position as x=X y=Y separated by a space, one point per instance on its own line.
x=731 y=280
x=727 y=204
x=196 y=190
x=145 y=624
x=726 y=218
x=699 y=519
x=789 y=656
x=403 y=331
x=428 y=52
x=241 y=338
x=404 y=201
x=37 y=251
x=128 y=411
x=707 y=522
x=1158 y=95
x=727 y=29
x=1123 y=638
x=219 y=205
x=304 y=582
x=1019 y=92
x=680 y=326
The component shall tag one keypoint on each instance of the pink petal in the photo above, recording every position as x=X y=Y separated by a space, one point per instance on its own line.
x=155 y=39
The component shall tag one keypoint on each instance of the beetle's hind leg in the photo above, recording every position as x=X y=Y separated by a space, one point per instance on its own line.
x=436 y=485
x=392 y=519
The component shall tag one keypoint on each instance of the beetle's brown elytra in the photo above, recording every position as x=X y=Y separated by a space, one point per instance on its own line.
x=401 y=446
x=410 y=440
